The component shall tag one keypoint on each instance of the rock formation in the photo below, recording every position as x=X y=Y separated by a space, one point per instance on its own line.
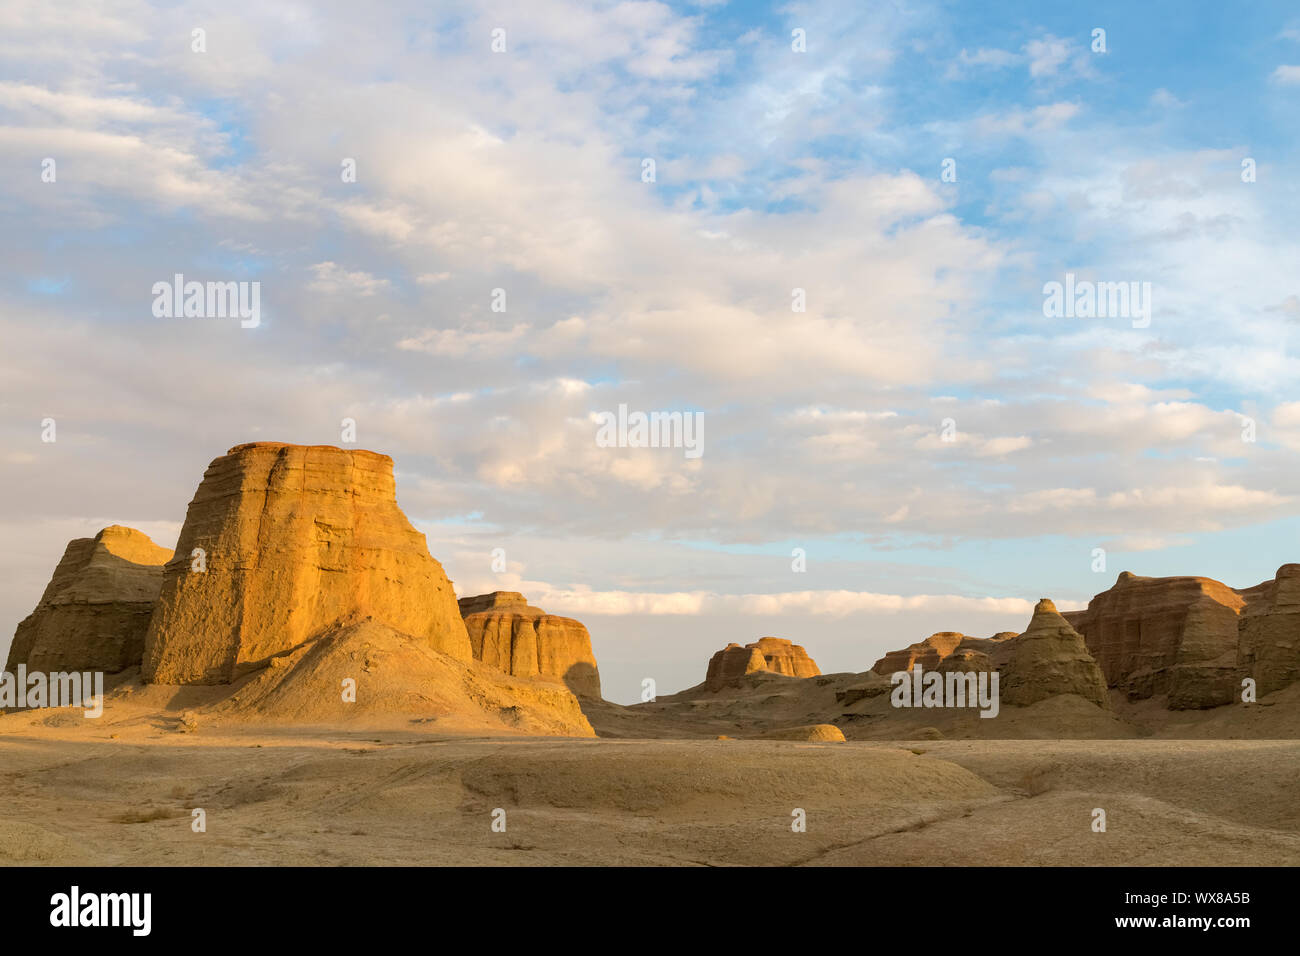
x=95 y=610
x=1194 y=639
x=813 y=733
x=1269 y=648
x=773 y=654
x=928 y=653
x=282 y=542
x=1157 y=636
x=398 y=678
x=516 y=638
x=1049 y=659
x=935 y=649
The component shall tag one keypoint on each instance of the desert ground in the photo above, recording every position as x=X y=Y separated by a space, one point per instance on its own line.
x=121 y=790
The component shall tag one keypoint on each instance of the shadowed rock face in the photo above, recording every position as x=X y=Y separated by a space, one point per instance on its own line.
x=295 y=539
x=518 y=639
x=773 y=654
x=1175 y=636
x=1195 y=639
x=1269 y=631
x=95 y=610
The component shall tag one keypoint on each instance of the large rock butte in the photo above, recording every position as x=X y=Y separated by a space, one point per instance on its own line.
x=292 y=539
x=95 y=611
x=1194 y=639
x=506 y=632
x=774 y=654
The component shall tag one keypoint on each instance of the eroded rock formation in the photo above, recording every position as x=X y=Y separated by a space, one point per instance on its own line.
x=1269 y=629
x=281 y=542
x=773 y=654
x=95 y=611
x=935 y=649
x=1049 y=659
x=506 y=632
x=1157 y=636
x=1195 y=639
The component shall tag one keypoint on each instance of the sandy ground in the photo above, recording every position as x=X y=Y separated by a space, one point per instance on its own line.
x=120 y=790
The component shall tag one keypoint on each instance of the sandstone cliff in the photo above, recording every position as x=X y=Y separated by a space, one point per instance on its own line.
x=1194 y=639
x=1158 y=636
x=292 y=540
x=518 y=639
x=774 y=654
x=95 y=610
x=1269 y=633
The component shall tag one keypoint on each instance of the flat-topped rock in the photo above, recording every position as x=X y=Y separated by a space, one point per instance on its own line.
x=774 y=654
x=508 y=633
x=491 y=602
x=291 y=540
x=95 y=611
x=1173 y=635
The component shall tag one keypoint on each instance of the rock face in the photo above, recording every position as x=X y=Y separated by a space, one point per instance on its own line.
x=294 y=539
x=1050 y=658
x=95 y=610
x=518 y=639
x=1175 y=636
x=773 y=654
x=1269 y=629
x=1195 y=639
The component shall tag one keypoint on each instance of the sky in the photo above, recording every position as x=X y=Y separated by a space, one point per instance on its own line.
x=924 y=446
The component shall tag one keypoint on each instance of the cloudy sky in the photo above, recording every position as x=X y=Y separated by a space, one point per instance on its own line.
x=942 y=451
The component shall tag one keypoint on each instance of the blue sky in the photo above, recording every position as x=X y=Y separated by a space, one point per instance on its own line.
x=776 y=170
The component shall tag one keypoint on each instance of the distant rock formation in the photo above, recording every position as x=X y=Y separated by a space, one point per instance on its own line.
x=516 y=638
x=282 y=542
x=935 y=649
x=1049 y=659
x=95 y=610
x=773 y=654
x=1157 y=636
x=1269 y=630
x=813 y=733
x=1194 y=639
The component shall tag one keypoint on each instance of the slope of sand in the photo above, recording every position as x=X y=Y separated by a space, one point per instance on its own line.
x=759 y=703
x=120 y=790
